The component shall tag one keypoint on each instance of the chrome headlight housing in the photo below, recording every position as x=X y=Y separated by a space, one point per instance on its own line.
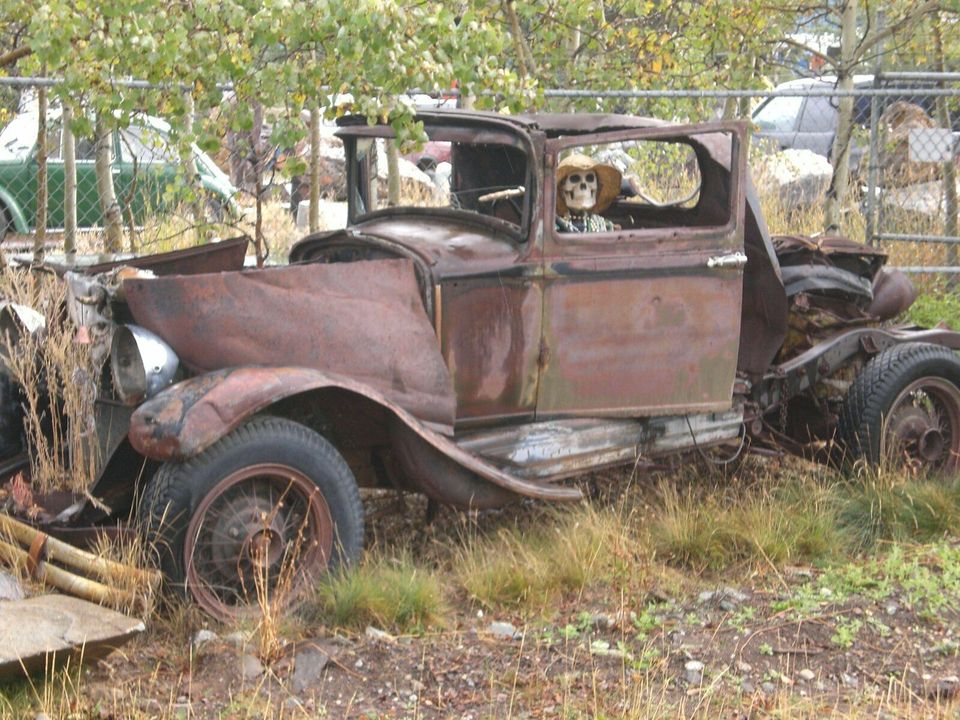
x=141 y=362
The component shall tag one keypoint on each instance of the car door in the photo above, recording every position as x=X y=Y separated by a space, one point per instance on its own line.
x=778 y=119
x=818 y=125
x=146 y=171
x=644 y=319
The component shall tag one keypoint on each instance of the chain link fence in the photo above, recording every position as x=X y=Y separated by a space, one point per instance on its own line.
x=902 y=189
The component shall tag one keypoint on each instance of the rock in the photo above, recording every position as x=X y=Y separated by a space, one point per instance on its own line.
x=806 y=675
x=10 y=587
x=947 y=687
x=204 y=637
x=602 y=621
x=727 y=599
x=744 y=667
x=504 y=630
x=768 y=688
x=693 y=672
x=41 y=716
x=151 y=706
x=332 y=214
x=250 y=667
x=373 y=633
x=237 y=639
x=849 y=680
x=292 y=703
x=308 y=665
x=892 y=608
x=748 y=687
x=800 y=178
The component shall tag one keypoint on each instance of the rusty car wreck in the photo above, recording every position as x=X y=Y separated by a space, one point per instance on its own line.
x=468 y=346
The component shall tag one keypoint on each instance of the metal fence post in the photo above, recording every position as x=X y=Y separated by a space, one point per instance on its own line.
x=874 y=166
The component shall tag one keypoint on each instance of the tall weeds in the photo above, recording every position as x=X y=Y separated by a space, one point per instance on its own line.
x=58 y=386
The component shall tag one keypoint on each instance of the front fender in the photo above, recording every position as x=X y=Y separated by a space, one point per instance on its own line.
x=16 y=214
x=188 y=417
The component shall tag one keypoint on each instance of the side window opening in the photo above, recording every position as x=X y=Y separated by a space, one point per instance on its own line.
x=636 y=185
x=486 y=178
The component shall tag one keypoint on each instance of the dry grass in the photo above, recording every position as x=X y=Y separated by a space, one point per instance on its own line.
x=58 y=382
x=527 y=567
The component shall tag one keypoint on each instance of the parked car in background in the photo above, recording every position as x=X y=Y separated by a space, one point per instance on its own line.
x=146 y=171
x=810 y=123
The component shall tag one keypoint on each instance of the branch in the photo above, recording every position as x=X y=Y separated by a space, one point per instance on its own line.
x=11 y=57
x=827 y=60
x=927 y=7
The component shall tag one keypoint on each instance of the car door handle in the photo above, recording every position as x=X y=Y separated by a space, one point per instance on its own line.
x=733 y=260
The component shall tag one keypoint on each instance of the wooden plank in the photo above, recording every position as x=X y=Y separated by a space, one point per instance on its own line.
x=40 y=632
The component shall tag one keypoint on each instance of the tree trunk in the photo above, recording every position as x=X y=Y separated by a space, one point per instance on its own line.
x=840 y=154
x=190 y=175
x=393 y=174
x=314 y=169
x=40 y=233
x=112 y=218
x=949 y=167
x=69 y=184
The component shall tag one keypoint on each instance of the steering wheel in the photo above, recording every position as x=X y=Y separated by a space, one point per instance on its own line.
x=509 y=194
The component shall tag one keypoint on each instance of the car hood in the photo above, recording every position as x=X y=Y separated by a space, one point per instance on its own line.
x=450 y=242
x=362 y=321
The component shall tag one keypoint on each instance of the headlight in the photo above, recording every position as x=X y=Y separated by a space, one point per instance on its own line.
x=142 y=363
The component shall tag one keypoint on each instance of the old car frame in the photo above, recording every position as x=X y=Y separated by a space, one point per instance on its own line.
x=477 y=354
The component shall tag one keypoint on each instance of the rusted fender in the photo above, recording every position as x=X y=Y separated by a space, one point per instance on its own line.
x=363 y=320
x=188 y=417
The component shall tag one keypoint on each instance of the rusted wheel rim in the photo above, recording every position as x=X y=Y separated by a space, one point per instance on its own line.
x=922 y=429
x=260 y=534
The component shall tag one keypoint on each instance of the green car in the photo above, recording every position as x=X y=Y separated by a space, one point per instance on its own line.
x=147 y=176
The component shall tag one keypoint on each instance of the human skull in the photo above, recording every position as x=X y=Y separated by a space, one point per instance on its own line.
x=580 y=190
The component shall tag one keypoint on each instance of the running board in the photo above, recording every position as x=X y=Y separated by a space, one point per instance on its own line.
x=560 y=448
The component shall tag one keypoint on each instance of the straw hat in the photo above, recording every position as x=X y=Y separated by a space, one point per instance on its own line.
x=607 y=175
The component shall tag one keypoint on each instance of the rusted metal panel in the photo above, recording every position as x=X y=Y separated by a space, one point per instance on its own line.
x=363 y=320
x=661 y=344
x=221 y=256
x=188 y=417
x=490 y=336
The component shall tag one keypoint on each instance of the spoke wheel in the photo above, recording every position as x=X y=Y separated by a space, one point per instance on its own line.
x=922 y=429
x=255 y=519
x=248 y=534
x=903 y=410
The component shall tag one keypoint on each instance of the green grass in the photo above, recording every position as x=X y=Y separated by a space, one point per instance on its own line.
x=787 y=522
x=528 y=566
x=936 y=304
x=392 y=593
x=882 y=506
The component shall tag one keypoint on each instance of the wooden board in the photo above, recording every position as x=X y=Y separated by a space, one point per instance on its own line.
x=38 y=632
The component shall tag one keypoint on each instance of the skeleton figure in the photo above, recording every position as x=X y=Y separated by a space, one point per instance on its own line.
x=584 y=190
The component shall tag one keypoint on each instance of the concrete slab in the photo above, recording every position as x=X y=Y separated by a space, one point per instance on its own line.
x=38 y=632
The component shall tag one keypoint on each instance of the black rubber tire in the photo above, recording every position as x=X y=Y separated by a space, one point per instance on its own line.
x=877 y=387
x=174 y=493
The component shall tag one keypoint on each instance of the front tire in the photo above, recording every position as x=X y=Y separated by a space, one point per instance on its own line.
x=904 y=409
x=260 y=514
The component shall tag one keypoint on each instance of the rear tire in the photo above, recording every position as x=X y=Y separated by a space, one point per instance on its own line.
x=271 y=506
x=904 y=408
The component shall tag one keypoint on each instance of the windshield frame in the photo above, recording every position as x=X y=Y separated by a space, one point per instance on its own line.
x=458 y=132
